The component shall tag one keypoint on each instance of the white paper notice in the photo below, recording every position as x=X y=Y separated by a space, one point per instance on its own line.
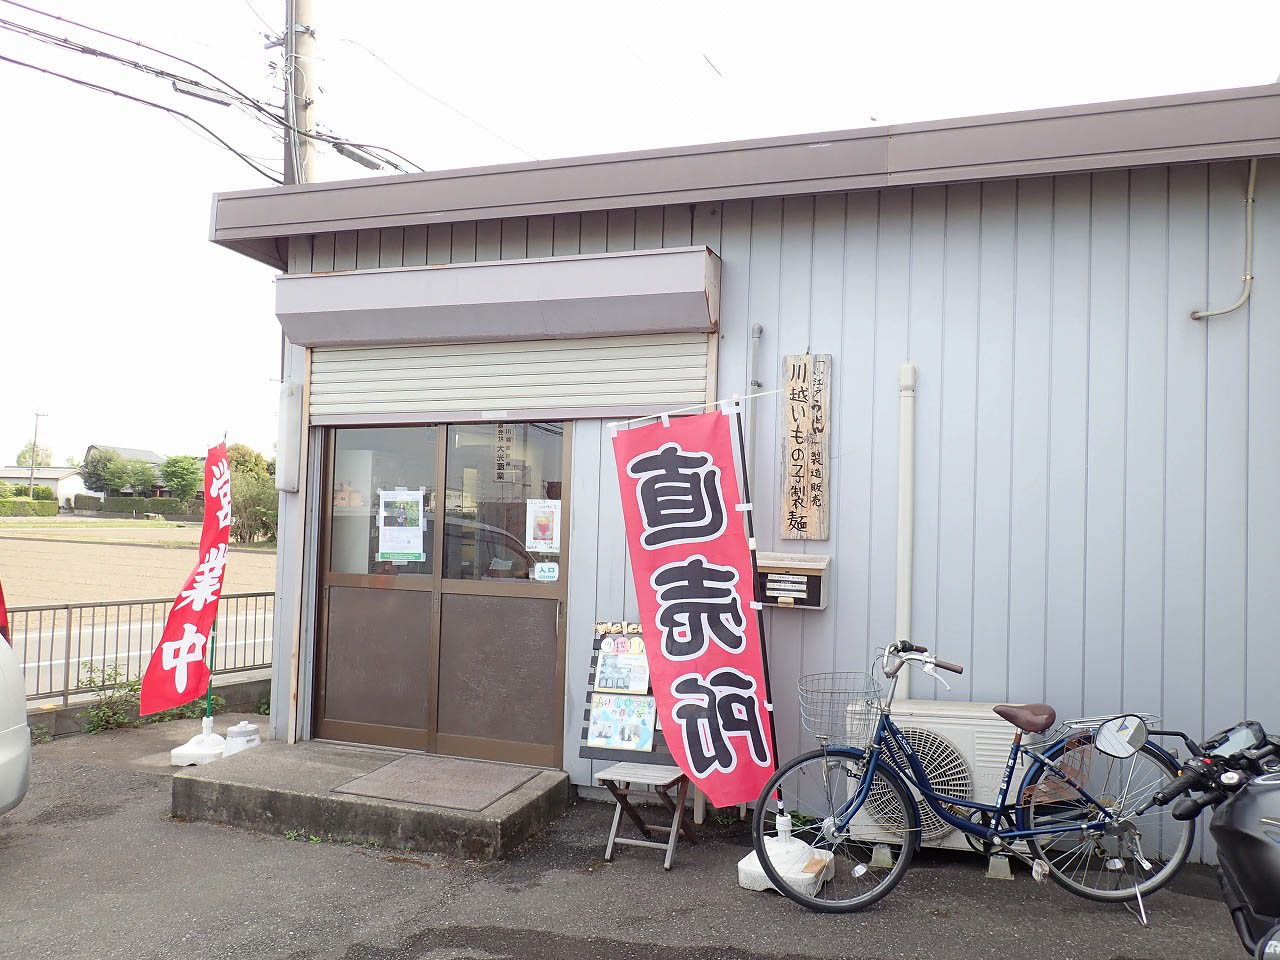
x=542 y=526
x=400 y=525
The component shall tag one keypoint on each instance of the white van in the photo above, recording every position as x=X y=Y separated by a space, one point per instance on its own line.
x=15 y=737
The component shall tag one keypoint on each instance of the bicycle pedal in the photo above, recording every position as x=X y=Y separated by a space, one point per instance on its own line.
x=1040 y=871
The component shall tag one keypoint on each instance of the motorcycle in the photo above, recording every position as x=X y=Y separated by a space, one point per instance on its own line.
x=1237 y=773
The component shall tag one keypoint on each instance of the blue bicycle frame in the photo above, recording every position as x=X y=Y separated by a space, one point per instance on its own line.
x=1012 y=816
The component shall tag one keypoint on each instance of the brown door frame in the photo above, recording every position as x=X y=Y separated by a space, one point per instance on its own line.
x=430 y=740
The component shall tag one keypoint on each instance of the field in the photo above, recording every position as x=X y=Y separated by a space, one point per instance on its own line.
x=78 y=560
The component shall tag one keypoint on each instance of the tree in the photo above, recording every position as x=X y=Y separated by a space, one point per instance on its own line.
x=244 y=459
x=94 y=470
x=43 y=456
x=6 y=490
x=138 y=476
x=254 y=506
x=142 y=477
x=73 y=462
x=183 y=476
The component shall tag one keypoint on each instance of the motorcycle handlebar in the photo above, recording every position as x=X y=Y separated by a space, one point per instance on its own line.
x=1189 y=780
x=1188 y=808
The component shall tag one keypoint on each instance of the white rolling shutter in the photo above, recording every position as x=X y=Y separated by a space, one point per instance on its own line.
x=583 y=377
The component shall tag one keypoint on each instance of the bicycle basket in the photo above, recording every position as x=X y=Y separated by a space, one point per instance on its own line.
x=841 y=709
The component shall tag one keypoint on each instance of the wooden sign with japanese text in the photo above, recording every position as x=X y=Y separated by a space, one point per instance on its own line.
x=696 y=593
x=805 y=505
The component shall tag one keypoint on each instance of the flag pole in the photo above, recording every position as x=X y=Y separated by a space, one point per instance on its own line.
x=755 y=580
x=213 y=639
x=208 y=697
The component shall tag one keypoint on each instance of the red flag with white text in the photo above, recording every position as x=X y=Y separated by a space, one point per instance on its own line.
x=4 y=618
x=178 y=673
x=695 y=587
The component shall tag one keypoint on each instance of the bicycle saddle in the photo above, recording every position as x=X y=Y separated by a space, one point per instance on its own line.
x=1028 y=717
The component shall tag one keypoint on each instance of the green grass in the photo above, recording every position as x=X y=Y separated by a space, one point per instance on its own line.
x=72 y=522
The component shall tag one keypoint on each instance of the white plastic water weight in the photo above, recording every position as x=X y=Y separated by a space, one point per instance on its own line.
x=241 y=737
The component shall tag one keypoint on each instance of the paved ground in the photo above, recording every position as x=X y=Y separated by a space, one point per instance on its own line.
x=90 y=865
x=42 y=569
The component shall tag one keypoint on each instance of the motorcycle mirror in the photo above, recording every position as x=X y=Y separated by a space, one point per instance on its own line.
x=1269 y=945
x=1121 y=737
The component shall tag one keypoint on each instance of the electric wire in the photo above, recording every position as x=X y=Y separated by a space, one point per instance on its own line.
x=150 y=103
x=254 y=11
x=137 y=43
x=229 y=88
x=266 y=161
x=66 y=43
x=444 y=103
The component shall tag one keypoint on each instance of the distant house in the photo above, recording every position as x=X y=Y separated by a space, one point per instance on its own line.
x=65 y=481
x=134 y=453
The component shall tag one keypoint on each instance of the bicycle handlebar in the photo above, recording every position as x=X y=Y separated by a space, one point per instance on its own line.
x=905 y=646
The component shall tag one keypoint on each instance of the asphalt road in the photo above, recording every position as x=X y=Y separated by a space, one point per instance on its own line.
x=91 y=866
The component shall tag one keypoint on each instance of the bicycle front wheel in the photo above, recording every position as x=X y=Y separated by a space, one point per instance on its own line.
x=1139 y=854
x=813 y=860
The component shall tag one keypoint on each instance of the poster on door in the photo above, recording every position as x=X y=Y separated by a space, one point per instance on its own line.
x=542 y=526
x=400 y=526
x=695 y=587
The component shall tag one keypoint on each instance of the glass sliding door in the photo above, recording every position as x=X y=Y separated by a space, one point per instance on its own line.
x=375 y=659
x=444 y=576
x=502 y=593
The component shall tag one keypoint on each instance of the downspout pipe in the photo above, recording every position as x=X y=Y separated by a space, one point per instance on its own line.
x=1248 y=252
x=906 y=507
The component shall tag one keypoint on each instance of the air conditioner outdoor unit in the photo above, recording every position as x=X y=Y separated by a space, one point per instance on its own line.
x=964 y=747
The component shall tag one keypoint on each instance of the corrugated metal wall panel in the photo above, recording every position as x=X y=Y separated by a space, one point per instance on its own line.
x=1093 y=521
x=1096 y=511
x=596 y=372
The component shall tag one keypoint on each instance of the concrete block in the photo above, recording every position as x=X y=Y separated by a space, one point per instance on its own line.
x=276 y=788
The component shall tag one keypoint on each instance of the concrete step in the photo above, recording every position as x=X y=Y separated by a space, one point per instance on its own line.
x=468 y=808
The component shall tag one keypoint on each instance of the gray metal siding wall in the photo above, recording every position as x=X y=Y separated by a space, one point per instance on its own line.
x=1098 y=522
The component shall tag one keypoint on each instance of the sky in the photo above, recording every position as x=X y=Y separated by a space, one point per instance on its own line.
x=123 y=324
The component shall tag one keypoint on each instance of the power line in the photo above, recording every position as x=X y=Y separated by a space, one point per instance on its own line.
x=197 y=133
x=228 y=89
x=255 y=12
x=149 y=103
x=444 y=103
x=66 y=43
x=137 y=43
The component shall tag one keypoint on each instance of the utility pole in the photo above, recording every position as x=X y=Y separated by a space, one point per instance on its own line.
x=35 y=435
x=300 y=91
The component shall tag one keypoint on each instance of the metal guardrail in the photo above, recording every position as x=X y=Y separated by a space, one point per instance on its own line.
x=57 y=643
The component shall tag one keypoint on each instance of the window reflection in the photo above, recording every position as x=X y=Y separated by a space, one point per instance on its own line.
x=503 y=518
x=393 y=468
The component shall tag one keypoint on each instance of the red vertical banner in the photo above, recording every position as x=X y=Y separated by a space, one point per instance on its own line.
x=4 y=618
x=178 y=673
x=694 y=584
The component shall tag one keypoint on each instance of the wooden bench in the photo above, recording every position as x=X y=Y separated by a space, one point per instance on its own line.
x=620 y=780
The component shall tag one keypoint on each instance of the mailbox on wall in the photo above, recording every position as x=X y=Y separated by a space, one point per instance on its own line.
x=792 y=579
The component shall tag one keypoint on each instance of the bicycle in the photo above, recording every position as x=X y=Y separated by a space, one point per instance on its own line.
x=835 y=829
